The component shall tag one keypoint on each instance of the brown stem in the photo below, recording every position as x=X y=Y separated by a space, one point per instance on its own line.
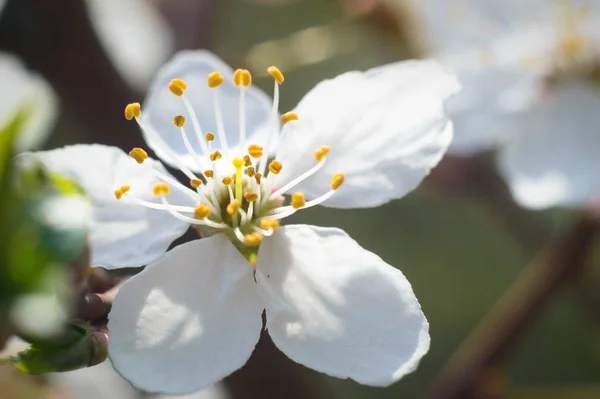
x=561 y=260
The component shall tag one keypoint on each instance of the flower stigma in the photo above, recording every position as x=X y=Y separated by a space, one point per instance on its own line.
x=245 y=205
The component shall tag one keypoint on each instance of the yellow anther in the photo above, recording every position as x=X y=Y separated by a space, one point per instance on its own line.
x=247 y=160
x=298 y=200
x=267 y=224
x=227 y=180
x=215 y=156
x=250 y=171
x=208 y=173
x=121 y=190
x=257 y=177
x=251 y=196
x=253 y=239
x=179 y=120
x=138 y=154
x=242 y=77
x=255 y=151
x=209 y=136
x=288 y=117
x=195 y=183
x=238 y=163
x=133 y=110
x=337 y=180
x=201 y=211
x=276 y=73
x=321 y=153
x=233 y=177
x=161 y=189
x=233 y=207
x=177 y=87
x=215 y=79
x=572 y=45
x=275 y=167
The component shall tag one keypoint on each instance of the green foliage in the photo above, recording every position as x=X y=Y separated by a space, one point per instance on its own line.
x=76 y=347
x=37 y=248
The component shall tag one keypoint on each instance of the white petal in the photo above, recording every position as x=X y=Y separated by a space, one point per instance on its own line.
x=136 y=37
x=485 y=111
x=338 y=308
x=386 y=129
x=122 y=233
x=22 y=89
x=193 y=67
x=188 y=320
x=459 y=23
x=555 y=160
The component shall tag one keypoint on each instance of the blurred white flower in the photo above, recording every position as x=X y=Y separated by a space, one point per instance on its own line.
x=25 y=90
x=531 y=88
x=193 y=316
x=136 y=37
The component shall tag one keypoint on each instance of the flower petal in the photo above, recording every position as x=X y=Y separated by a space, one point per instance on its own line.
x=193 y=67
x=555 y=160
x=386 y=129
x=22 y=89
x=136 y=37
x=188 y=320
x=122 y=233
x=337 y=308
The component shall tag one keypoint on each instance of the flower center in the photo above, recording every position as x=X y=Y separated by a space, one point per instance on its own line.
x=236 y=196
x=575 y=55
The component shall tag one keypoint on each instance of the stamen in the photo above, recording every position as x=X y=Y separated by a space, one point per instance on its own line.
x=133 y=110
x=321 y=153
x=139 y=155
x=250 y=171
x=298 y=179
x=215 y=156
x=253 y=239
x=247 y=161
x=161 y=189
x=257 y=177
x=190 y=193
x=298 y=200
x=196 y=183
x=215 y=80
x=275 y=167
x=153 y=205
x=177 y=87
x=227 y=180
x=276 y=74
x=233 y=207
x=179 y=121
x=210 y=136
x=208 y=173
x=262 y=166
x=267 y=224
x=119 y=192
x=288 y=117
x=337 y=180
x=250 y=196
x=201 y=212
x=255 y=151
x=172 y=210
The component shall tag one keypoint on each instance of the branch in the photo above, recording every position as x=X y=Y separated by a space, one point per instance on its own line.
x=563 y=259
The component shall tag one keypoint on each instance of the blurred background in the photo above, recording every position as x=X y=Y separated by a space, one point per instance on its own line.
x=459 y=238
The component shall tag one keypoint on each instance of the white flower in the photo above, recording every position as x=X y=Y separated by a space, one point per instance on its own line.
x=23 y=90
x=531 y=77
x=193 y=316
